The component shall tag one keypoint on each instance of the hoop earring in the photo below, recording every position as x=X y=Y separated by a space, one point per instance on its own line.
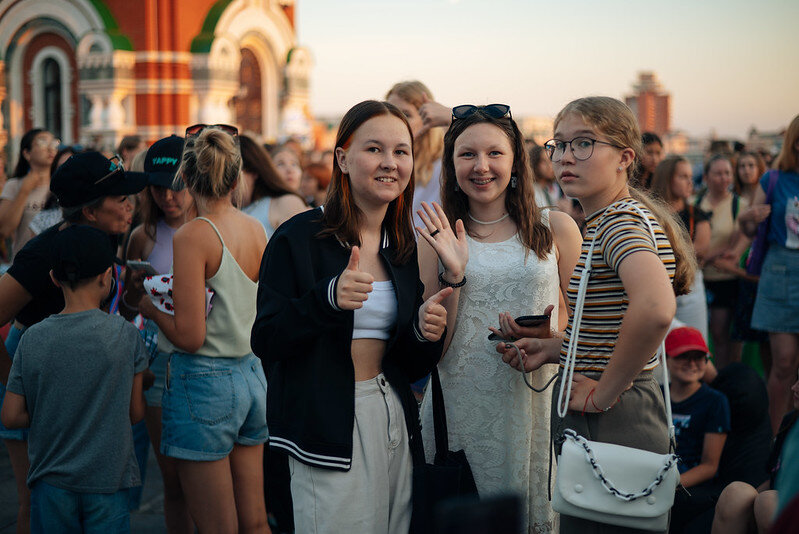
x=513 y=181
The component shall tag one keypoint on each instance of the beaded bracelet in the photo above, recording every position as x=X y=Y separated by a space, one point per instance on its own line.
x=450 y=284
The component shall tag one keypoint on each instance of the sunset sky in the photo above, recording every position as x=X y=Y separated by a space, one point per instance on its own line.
x=728 y=64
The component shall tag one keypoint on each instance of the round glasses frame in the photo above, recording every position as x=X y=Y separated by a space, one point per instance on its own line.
x=582 y=148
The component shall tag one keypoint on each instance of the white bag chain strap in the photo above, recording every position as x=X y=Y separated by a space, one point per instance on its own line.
x=568 y=374
x=606 y=483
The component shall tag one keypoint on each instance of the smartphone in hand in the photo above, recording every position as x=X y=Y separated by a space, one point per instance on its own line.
x=524 y=320
x=145 y=266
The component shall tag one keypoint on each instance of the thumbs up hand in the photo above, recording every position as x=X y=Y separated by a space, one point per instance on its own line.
x=353 y=285
x=433 y=315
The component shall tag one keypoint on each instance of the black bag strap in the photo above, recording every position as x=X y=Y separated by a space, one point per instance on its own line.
x=439 y=416
x=439 y=425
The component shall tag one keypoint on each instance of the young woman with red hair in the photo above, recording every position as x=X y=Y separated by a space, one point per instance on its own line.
x=342 y=330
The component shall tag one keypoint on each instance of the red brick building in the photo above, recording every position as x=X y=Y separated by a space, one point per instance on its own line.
x=651 y=104
x=92 y=71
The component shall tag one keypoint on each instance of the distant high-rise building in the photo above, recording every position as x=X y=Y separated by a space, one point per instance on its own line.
x=651 y=104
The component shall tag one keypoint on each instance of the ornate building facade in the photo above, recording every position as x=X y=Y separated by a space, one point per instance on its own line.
x=92 y=71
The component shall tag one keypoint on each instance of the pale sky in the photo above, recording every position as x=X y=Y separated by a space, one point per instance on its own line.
x=728 y=64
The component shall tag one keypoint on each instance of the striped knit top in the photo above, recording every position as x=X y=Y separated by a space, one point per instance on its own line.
x=620 y=230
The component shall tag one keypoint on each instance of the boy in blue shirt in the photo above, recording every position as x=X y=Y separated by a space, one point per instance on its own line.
x=76 y=381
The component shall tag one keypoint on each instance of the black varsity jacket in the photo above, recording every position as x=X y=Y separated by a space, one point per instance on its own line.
x=304 y=340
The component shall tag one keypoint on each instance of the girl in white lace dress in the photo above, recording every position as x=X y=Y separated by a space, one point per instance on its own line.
x=514 y=259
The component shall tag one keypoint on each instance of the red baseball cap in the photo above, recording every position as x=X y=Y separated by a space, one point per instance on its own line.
x=683 y=339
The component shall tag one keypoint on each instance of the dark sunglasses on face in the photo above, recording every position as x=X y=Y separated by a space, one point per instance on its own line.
x=117 y=166
x=495 y=111
x=194 y=131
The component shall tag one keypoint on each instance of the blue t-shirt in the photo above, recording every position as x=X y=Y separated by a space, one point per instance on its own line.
x=705 y=412
x=784 y=223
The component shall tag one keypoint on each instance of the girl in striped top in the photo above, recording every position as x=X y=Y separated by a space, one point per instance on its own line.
x=630 y=300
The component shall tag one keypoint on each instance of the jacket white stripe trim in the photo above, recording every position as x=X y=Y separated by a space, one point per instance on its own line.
x=331 y=294
x=316 y=459
x=419 y=335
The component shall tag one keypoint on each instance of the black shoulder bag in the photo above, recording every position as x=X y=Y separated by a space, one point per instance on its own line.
x=448 y=476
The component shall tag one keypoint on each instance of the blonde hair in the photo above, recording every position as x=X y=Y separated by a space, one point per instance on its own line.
x=614 y=120
x=787 y=160
x=429 y=146
x=210 y=164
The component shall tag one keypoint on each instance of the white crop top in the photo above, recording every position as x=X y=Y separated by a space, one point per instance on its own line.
x=379 y=313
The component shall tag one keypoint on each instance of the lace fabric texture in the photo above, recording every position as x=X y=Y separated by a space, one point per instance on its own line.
x=491 y=414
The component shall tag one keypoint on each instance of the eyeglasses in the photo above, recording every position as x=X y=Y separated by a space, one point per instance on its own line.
x=685 y=359
x=51 y=143
x=117 y=166
x=495 y=111
x=194 y=131
x=582 y=148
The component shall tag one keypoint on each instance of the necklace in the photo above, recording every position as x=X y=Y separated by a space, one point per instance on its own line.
x=487 y=223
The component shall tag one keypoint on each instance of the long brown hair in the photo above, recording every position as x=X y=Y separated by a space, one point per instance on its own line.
x=255 y=159
x=342 y=217
x=427 y=147
x=519 y=201
x=613 y=119
x=740 y=187
x=788 y=159
x=663 y=177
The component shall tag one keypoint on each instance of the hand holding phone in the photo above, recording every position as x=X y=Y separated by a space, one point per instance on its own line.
x=146 y=266
x=523 y=326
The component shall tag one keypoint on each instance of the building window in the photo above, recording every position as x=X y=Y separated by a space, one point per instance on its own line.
x=51 y=76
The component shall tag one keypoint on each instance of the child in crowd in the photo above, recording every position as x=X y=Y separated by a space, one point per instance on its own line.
x=76 y=381
x=701 y=420
x=701 y=414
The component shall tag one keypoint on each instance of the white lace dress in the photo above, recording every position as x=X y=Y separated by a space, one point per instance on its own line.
x=491 y=414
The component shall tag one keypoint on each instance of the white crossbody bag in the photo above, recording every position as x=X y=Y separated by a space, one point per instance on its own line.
x=610 y=483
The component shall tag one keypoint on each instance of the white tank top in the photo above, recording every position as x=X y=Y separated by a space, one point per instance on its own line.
x=378 y=316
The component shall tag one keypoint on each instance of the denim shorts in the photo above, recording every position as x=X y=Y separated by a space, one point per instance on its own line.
x=210 y=404
x=777 y=303
x=18 y=434
x=56 y=510
x=158 y=366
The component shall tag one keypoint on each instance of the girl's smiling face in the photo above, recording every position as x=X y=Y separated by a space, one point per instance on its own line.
x=483 y=160
x=378 y=161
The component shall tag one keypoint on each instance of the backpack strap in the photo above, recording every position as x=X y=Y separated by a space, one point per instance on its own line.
x=699 y=197
x=736 y=203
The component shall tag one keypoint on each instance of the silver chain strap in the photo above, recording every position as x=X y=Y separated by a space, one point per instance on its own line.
x=606 y=483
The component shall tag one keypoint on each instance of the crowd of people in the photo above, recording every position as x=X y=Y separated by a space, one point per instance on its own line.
x=268 y=318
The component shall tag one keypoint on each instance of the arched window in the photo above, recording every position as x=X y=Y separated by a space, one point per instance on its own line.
x=248 y=103
x=51 y=76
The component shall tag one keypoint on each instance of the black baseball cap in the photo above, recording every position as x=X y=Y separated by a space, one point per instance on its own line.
x=88 y=176
x=162 y=162
x=81 y=252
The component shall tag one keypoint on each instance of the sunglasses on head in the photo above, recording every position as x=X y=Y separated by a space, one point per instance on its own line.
x=117 y=166
x=495 y=111
x=194 y=131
